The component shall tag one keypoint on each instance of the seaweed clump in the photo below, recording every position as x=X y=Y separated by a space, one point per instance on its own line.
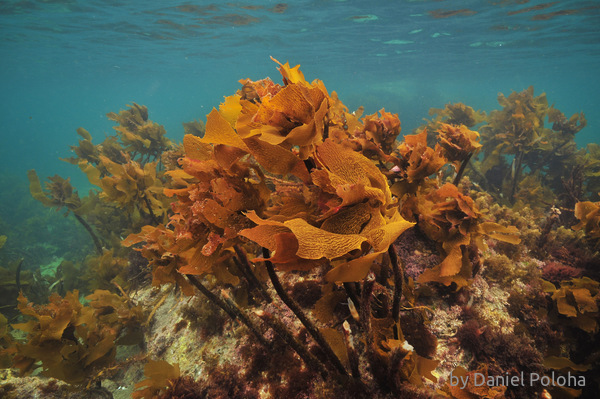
x=588 y=214
x=73 y=342
x=525 y=160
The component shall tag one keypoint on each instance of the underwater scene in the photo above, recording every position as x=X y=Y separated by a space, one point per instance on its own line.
x=311 y=199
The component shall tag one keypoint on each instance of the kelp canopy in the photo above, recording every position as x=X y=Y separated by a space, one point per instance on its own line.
x=367 y=266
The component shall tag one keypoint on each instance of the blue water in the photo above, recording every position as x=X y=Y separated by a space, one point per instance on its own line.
x=65 y=64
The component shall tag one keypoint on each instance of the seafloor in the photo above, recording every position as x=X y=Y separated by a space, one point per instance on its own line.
x=291 y=248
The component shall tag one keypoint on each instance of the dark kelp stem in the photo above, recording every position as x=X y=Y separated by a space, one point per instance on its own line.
x=245 y=319
x=398 y=281
x=210 y=295
x=246 y=269
x=517 y=172
x=18 y=274
x=310 y=327
x=461 y=171
x=230 y=308
x=92 y=234
x=150 y=212
x=311 y=361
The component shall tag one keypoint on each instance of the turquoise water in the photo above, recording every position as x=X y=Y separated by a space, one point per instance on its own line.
x=66 y=64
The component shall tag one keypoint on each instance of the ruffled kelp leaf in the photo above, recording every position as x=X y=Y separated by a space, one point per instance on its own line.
x=265 y=234
x=170 y=274
x=498 y=232
x=158 y=374
x=136 y=238
x=313 y=243
x=103 y=271
x=246 y=126
x=274 y=158
x=290 y=75
x=86 y=151
x=230 y=109
x=325 y=306
x=195 y=128
x=286 y=247
x=167 y=254
x=53 y=324
x=587 y=323
x=196 y=149
x=335 y=339
x=458 y=142
x=197 y=263
x=290 y=116
x=458 y=114
x=293 y=207
x=588 y=214
x=577 y=299
x=379 y=132
x=227 y=156
x=293 y=117
x=453 y=219
x=135 y=187
x=263 y=88
x=219 y=131
x=353 y=270
x=453 y=262
x=224 y=275
x=349 y=220
x=58 y=195
x=564 y=307
x=350 y=193
x=414 y=367
x=426 y=366
x=84 y=133
x=348 y=167
x=422 y=161
x=101 y=348
x=138 y=134
x=72 y=341
x=492 y=159
x=382 y=237
x=461 y=279
x=297 y=102
x=202 y=170
x=585 y=301
x=92 y=172
x=444 y=214
x=547 y=286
